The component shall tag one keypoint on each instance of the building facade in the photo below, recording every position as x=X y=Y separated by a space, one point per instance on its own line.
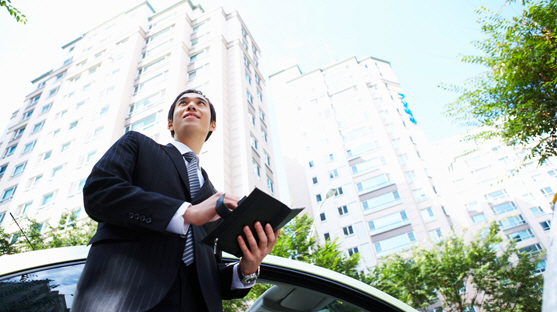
x=355 y=156
x=484 y=181
x=122 y=76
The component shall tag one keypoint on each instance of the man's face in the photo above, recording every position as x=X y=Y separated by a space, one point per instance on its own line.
x=192 y=117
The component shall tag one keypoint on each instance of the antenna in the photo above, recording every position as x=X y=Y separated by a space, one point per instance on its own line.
x=28 y=241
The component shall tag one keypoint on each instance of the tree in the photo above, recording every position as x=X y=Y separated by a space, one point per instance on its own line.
x=13 y=11
x=487 y=272
x=294 y=243
x=68 y=232
x=515 y=100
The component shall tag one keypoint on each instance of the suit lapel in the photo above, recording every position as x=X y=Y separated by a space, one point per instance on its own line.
x=179 y=163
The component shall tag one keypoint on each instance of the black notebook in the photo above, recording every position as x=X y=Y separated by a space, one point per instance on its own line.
x=258 y=206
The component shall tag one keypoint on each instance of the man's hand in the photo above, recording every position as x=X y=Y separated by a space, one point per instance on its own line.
x=205 y=211
x=252 y=256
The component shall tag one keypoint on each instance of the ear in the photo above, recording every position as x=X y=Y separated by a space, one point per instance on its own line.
x=213 y=126
x=170 y=126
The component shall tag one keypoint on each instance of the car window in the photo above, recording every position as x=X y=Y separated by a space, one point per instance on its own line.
x=46 y=290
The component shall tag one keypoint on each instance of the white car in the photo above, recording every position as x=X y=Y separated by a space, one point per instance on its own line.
x=45 y=280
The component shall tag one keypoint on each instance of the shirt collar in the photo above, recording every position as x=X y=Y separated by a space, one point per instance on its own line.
x=182 y=148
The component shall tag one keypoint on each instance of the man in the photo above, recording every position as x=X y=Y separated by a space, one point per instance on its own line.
x=154 y=206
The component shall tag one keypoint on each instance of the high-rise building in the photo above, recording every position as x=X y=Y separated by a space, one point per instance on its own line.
x=355 y=156
x=122 y=76
x=484 y=181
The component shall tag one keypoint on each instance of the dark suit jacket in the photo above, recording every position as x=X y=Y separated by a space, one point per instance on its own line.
x=133 y=192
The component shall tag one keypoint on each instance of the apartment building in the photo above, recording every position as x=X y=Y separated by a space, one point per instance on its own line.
x=122 y=76
x=356 y=158
x=484 y=181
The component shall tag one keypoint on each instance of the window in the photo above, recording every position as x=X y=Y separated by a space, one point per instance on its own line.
x=47 y=200
x=77 y=187
x=546 y=225
x=90 y=157
x=19 y=169
x=9 y=151
x=540 y=267
x=35 y=99
x=318 y=198
x=143 y=124
x=65 y=147
x=396 y=143
x=18 y=133
x=521 y=235
x=67 y=61
x=338 y=191
x=327 y=236
x=257 y=79
x=87 y=86
x=3 y=170
x=362 y=149
x=256 y=169
x=56 y=171
x=264 y=135
x=348 y=230
x=388 y=222
x=322 y=216
x=98 y=55
x=262 y=117
x=151 y=66
x=374 y=183
x=194 y=57
x=410 y=176
x=333 y=174
x=511 y=222
x=21 y=209
x=381 y=201
x=532 y=249
x=249 y=97
x=34 y=181
x=314 y=180
x=146 y=103
x=478 y=219
x=8 y=194
x=26 y=115
x=503 y=208
x=46 y=108
x=267 y=159
x=253 y=141
x=311 y=164
x=246 y=62
x=427 y=214
x=29 y=147
x=73 y=125
x=368 y=165
x=537 y=211
x=270 y=185
x=37 y=127
x=436 y=235
x=259 y=95
x=352 y=251
x=403 y=159
x=251 y=118
x=419 y=195
x=497 y=195
x=93 y=70
x=248 y=79
x=4 y=213
x=97 y=132
x=103 y=110
x=342 y=210
x=394 y=244
x=53 y=91
x=46 y=155
x=547 y=191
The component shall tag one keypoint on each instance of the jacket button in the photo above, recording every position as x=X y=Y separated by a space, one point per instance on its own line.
x=131 y=215
x=136 y=216
x=142 y=218
x=148 y=220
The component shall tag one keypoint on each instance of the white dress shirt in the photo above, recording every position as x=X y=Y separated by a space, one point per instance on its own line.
x=178 y=226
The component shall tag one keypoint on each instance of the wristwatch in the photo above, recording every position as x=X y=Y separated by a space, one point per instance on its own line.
x=246 y=279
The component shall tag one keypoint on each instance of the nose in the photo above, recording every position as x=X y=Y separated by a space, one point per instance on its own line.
x=191 y=105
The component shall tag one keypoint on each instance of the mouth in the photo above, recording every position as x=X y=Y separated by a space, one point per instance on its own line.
x=191 y=115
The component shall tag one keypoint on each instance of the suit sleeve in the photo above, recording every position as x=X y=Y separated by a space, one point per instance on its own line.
x=109 y=194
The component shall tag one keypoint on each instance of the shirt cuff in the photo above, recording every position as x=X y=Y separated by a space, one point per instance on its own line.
x=236 y=283
x=177 y=224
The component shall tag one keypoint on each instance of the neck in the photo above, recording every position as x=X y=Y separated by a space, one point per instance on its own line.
x=194 y=144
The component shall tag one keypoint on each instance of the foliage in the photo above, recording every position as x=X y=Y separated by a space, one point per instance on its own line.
x=487 y=272
x=294 y=243
x=13 y=11
x=515 y=100
x=68 y=232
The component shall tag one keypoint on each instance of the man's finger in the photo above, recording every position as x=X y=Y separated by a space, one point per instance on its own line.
x=251 y=240
x=245 y=251
x=261 y=234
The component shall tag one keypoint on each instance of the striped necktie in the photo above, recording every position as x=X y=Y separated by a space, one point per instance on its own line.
x=192 y=159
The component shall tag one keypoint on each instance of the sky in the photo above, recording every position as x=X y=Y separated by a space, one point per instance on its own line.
x=423 y=41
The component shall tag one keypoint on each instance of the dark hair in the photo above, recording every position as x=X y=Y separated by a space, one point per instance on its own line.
x=173 y=106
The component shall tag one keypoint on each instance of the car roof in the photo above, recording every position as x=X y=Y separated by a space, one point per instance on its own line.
x=11 y=264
